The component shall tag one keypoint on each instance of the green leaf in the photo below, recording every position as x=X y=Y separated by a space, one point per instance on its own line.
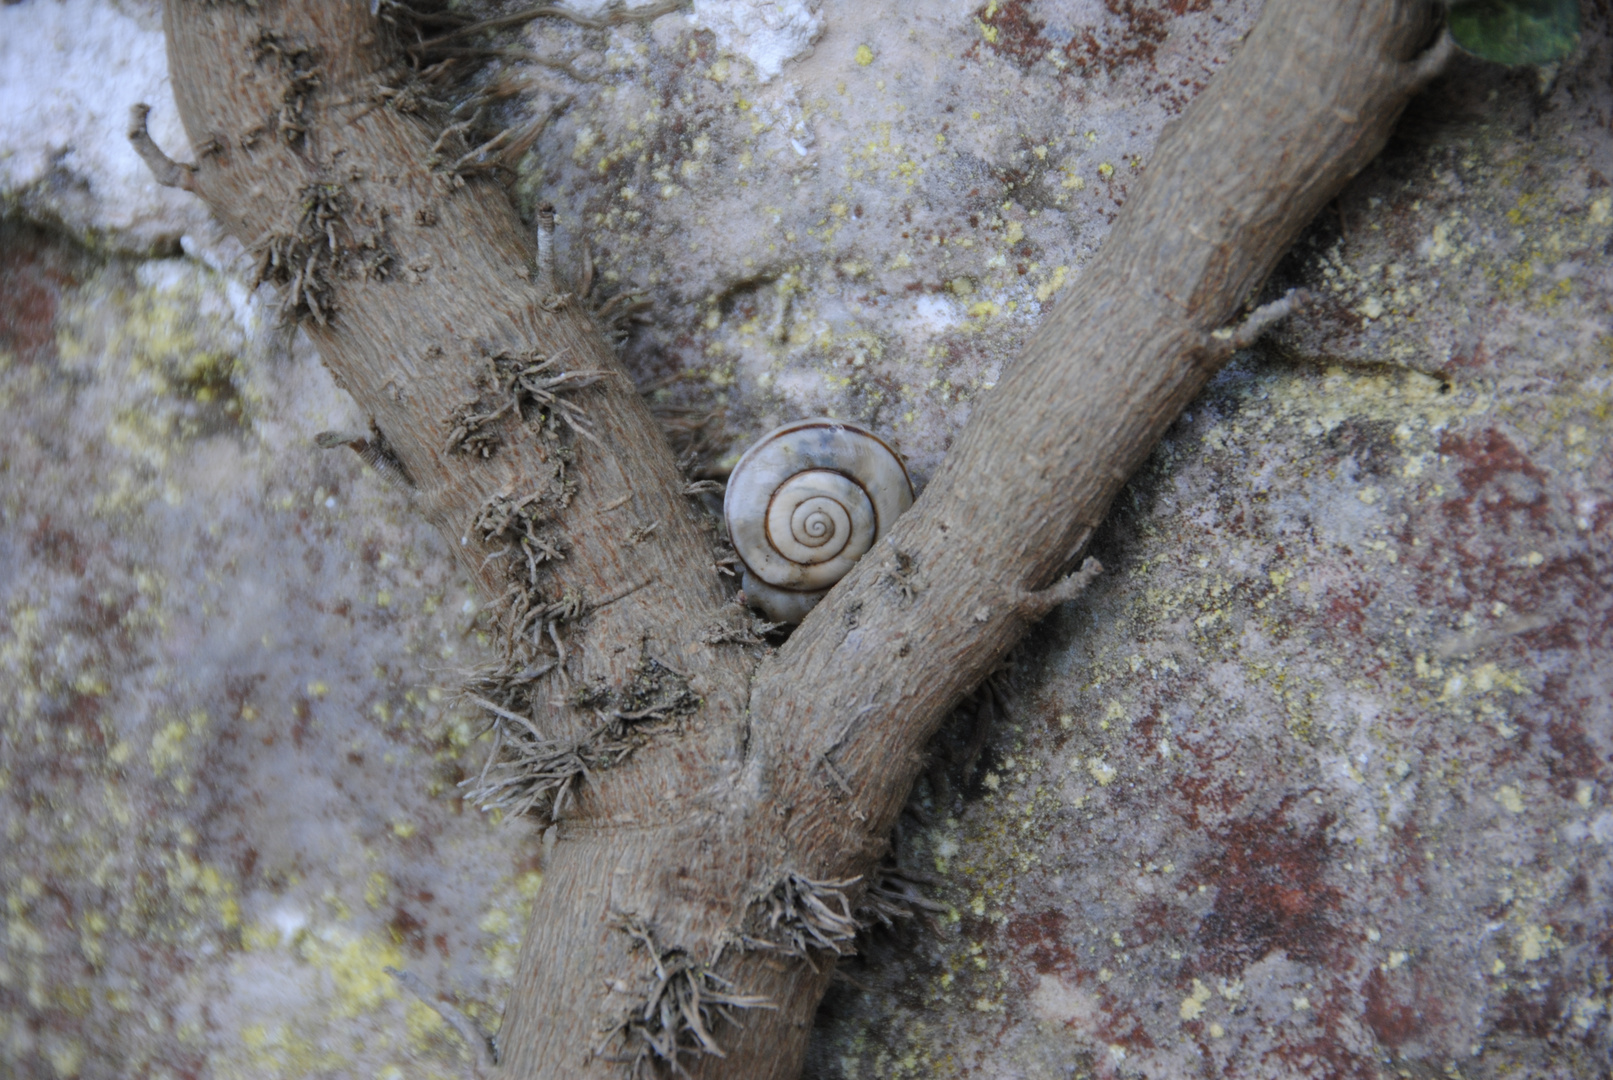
x=1516 y=31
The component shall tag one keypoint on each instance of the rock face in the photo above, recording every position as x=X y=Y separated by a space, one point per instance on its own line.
x=71 y=69
x=1317 y=780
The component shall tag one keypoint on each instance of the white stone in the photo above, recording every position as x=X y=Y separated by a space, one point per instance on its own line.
x=768 y=33
x=69 y=72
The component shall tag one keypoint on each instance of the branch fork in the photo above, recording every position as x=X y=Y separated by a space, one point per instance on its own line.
x=1307 y=102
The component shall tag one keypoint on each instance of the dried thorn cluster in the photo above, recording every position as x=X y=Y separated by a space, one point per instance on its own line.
x=901 y=573
x=411 y=99
x=835 y=782
x=331 y=239
x=456 y=131
x=522 y=525
x=528 y=619
x=616 y=14
x=529 y=623
x=444 y=52
x=802 y=916
x=303 y=261
x=655 y=692
x=502 y=150
x=686 y=1000
x=737 y=625
x=421 y=87
x=697 y=436
x=299 y=65
x=527 y=385
x=438 y=66
x=895 y=895
x=528 y=773
x=414 y=24
x=725 y=560
x=534 y=382
x=614 y=313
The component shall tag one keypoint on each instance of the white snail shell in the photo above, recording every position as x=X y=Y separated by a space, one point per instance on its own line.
x=804 y=504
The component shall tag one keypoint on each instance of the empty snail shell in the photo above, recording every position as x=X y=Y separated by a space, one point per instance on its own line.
x=804 y=504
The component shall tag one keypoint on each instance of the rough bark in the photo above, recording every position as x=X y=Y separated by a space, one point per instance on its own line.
x=799 y=766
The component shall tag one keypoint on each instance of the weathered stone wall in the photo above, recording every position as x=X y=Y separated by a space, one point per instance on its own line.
x=1317 y=781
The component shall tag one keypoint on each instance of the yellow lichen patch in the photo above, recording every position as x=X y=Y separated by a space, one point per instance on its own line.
x=504 y=920
x=168 y=746
x=1192 y=1006
x=202 y=889
x=1510 y=798
x=1054 y=282
x=425 y=1026
x=280 y=1050
x=166 y=335
x=66 y=1058
x=257 y=937
x=357 y=967
x=375 y=890
x=984 y=309
x=1533 y=941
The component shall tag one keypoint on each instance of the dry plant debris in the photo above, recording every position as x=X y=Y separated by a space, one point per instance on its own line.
x=527 y=385
x=685 y=1001
x=528 y=773
x=331 y=238
x=301 y=69
x=802 y=916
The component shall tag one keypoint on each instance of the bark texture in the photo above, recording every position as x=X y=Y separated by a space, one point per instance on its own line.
x=799 y=766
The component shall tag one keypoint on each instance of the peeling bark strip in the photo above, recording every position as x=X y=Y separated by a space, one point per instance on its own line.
x=760 y=807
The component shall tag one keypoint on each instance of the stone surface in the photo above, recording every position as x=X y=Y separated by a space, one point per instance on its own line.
x=769 y=33
x=69 y=72
x=227 y=770
x=1316 y=781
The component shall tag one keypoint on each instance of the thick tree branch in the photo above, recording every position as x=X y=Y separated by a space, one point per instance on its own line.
x=841 y=714
x=681 y=820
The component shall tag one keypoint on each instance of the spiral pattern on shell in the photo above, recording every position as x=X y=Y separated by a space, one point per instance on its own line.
x=805 y=502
